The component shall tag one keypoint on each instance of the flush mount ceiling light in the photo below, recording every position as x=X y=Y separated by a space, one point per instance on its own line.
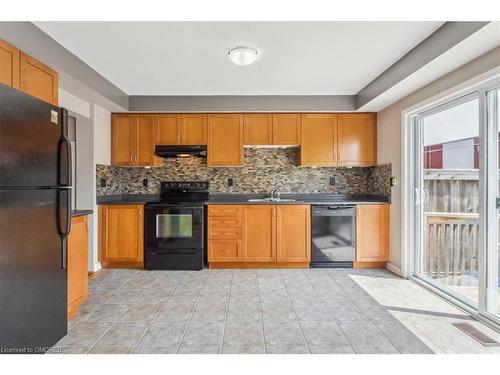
x=242 y=55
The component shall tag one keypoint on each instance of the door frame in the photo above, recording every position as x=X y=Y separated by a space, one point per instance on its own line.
x=479 y=85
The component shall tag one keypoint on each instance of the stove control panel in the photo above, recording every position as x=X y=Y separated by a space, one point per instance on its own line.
x=184 y=186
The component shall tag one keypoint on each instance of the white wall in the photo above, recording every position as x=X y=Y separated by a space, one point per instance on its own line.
x=93 y=136
x=390 y=136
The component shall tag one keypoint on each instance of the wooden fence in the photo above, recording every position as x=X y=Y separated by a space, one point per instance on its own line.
x=452 y=226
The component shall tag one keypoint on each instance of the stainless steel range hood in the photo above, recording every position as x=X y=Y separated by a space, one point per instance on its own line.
x=181 y=151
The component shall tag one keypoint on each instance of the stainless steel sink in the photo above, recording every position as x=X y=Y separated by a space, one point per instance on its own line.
x=276 y=200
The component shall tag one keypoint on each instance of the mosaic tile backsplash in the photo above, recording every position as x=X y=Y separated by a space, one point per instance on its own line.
x=265 y=169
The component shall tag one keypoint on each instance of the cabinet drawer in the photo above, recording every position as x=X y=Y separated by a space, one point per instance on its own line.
x=224 y=250
x=224 y=210
x=225 y=233
x=225 y=222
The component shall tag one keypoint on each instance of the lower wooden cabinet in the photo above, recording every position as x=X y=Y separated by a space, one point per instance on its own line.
x=121 y=239
x=259 y=236
x=372 y=235
x=77 y=260
x=293 y=234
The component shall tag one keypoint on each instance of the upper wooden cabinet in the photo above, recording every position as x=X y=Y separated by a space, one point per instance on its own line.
x=23 y=72
x=225 y=140
x=286 y=129
x=272 y=129
x=181 y=129
x=258 y=129
x=9 y=65
x=77 y=264
x=132 y=137
x=293 y=234
x=121 y=229
x=318 y=140
x=38 y=79
x=357 y=139
x=372 y=233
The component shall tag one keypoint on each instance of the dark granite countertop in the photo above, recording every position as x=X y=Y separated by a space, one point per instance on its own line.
x=75 y=213
x=223 y=198
x=313 y=198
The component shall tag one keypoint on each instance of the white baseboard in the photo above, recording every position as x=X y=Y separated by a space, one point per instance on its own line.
x=97 y=266
x=391 y=267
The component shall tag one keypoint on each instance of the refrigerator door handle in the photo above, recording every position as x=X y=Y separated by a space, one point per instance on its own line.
x=64 y=219
x=64 y=157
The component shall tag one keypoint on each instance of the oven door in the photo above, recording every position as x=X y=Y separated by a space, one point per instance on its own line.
x=174 y=230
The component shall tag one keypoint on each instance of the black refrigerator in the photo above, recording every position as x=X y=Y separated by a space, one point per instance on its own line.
x=35 y=220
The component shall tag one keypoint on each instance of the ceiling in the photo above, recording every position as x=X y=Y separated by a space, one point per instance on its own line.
x=189 y=58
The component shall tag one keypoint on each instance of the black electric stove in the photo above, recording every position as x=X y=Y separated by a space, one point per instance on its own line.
x=174 y=227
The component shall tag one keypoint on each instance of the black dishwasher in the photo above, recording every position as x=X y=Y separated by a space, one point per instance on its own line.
x=333 y=236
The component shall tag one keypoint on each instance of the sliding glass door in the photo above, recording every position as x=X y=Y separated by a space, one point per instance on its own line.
x=447 y=197
x=455 y=200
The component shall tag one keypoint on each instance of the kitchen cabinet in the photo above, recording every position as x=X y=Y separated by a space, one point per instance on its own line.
x=258 y=129
x=293 y=235
x=372 y=235
x=9 y=65
x=225 y=233
x=318 y=145
x=357 y=139
x=38 y=79
x=286 y=129
x=272 y=129
x=133 y=140
x=121 y=242
x=225 y=140
x=260 y=236
x=21 y=71
x=260 y=233
x=181 y=129
x=77 y=253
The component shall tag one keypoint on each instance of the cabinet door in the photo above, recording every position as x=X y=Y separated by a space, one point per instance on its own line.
x=357 y=139
x=318 y=140
x=38 y=80
x=123 y=136
x=124 y=233
x=260 y=233
x=77 y=263
x=194 y=129
x=372 y=233
x=225 y=140
x=168 y=129
x=293 y=233
x=258 y=129
x=286 y=129
x=9 y=65
x=224 y=250
x=145 y=143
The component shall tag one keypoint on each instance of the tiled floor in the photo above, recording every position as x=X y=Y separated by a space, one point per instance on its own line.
x=265 y=311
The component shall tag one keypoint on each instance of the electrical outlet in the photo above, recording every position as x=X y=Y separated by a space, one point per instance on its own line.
x=333 y=181
x=145 y=182
x=394 y=181
x=102 y=182
x=230 y=182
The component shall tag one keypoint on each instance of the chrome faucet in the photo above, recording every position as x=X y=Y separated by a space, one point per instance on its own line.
x=275 y=194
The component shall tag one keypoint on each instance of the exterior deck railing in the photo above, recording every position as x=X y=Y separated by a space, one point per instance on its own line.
x=451 y=247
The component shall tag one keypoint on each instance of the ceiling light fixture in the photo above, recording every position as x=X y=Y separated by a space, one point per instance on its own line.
x=242 y=55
